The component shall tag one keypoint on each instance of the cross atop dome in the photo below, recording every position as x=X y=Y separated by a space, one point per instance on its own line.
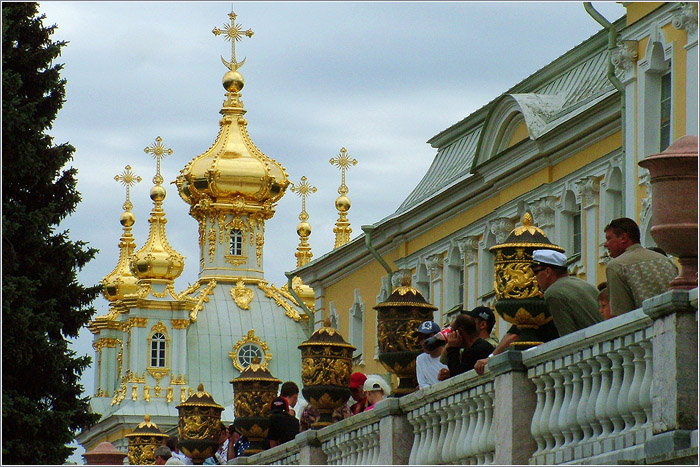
x=233 y=32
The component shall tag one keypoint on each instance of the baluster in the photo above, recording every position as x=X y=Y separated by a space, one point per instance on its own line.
x=596 y=427
x=546 y=412
x=623 y=400
x=422 y=455
x=645 y=389
x=328 y=451
x=376 y=440
x=355 y=445
x=433 y=434
x=442 y=429
x=411 y=418
x=635 y=394
x=566 y=421
x=535 y=428
x=576 y=402
x=460 y=427
x=613 y=396
x=465 y=443
x=450 y=409
x=554 y=414
x=601 y=411
x=486 y=430
x=345 y=449
x=361 y=442
x=479 y=458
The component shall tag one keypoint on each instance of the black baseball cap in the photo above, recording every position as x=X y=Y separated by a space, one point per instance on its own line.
x=484 y=313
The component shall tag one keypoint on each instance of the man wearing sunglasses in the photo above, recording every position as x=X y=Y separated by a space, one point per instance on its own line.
x=572 y=302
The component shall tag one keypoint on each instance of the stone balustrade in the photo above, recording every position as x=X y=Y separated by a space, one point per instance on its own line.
x=621 y=391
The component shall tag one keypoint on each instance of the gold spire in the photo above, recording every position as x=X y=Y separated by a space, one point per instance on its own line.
x=303 y=254
x=121 y=282
x=342 y=203
x=157 y=261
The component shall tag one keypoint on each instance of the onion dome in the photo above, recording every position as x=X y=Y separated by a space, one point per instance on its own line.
x=406 y=296
x=157 y=260
x=121 y=281
x=233 y=172
x=528 y=236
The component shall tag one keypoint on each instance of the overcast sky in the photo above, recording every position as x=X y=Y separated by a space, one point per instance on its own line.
x=378 y=78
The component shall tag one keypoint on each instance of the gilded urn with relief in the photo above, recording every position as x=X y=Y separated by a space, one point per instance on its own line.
x=253 y=391
x=143 y=442
x=519 y=299
x=199 y=425
x=397 y=320
x=326 y=366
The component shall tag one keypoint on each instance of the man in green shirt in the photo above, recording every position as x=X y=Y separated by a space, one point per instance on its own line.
x=572 y=302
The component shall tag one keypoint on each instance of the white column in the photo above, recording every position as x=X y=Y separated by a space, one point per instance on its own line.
x=435 y=266
x=469 y=249
x=589 y=189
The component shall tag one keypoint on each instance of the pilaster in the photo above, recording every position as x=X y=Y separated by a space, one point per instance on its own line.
x=469 y=249
x=395 y=432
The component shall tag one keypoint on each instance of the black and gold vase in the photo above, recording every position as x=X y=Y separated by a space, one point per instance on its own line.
x=326 y=366
x=519 y=299
x=199 y=425
x=397 y=320
x=253 y=391
x=143 y=442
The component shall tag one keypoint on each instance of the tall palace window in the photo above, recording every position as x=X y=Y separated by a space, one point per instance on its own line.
x=236 y=243
x=158 y=343
x=665 y=116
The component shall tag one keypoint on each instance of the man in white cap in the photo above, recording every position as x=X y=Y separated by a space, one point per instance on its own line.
x=572 y=302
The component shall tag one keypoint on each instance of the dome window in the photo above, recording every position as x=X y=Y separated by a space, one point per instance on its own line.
x=158 y=345
x=248 y=352
x=236 y=243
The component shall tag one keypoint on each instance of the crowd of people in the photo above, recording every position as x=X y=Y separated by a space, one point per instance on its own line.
x=633 y=274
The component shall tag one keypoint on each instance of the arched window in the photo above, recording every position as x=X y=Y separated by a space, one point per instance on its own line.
x=158 y=348
x=236 y=242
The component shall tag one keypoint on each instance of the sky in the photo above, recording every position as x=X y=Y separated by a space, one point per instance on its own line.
x=378 y=78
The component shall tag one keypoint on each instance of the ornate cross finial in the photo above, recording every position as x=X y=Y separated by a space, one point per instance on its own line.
x=343 y=162
x=159 y=151
x=233 y=32
x=128 y=179
x=304 y=189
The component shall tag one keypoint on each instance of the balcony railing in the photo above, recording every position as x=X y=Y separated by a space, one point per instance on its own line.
x=621 y=391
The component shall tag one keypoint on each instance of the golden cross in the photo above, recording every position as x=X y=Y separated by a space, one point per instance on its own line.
x=343 y=162
x=128 y=179
x=233 y=32
x=304 y=190
x=159 y=151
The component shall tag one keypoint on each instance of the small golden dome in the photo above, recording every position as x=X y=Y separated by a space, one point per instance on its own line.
x=304 y=229
x=157 y=193
x=233 y=81
x=127 y=219
x=342 y=203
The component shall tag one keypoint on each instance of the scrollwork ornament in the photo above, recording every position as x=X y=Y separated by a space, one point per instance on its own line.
x=687 y=17
x=625 y=55
x=501 y=227
x=589 y=188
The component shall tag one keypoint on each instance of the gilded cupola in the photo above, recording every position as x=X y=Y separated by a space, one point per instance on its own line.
x=121 y=281
x=157 y=261
x=233 y=174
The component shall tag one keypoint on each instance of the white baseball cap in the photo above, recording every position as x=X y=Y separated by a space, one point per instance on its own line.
x=376 y=383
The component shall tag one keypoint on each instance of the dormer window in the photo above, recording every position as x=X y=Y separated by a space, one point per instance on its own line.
x=236 y=243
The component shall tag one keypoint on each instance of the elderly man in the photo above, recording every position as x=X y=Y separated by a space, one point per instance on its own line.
x=161 y=455
x=572 y=302
x=635 y=273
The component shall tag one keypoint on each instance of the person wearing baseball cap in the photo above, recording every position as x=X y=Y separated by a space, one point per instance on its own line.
x=572 y=302
x=428 y=363
x=357 y=381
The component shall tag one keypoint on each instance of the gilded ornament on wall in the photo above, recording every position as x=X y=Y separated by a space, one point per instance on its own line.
x=242 y=295
x=250 y=338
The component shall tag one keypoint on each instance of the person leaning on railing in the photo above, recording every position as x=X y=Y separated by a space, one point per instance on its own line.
x=465 y=335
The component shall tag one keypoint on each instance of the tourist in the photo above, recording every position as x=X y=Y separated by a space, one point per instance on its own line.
x=161 y=455
x=376 y=389
x=635 y=273
x=428 y=363
x=465 y=335
x=604 y=300
x=485 y=322
x=311 y=415
x=357 y=380
x=220 y=457
x=173 y=444
x=290 y=391
x=240 y=445
x=283 y=425
x=572 y=302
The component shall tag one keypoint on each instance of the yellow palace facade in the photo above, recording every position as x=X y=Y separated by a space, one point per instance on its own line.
x=563 y=145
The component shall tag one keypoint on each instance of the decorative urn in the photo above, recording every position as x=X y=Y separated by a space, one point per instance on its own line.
x=397 y=320
x=326 y=365
x=674 y=206
x=519 y=299
x=199 y=425
x=143 y=442
x=104 y=454
x=253 y=391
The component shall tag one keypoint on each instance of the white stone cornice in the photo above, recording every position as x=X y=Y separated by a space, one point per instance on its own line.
x=501 y=227
x=686 y=17
x=624 y=56
x=469 y=248
x=543 y=210
x=588 y=189
x=434 y=265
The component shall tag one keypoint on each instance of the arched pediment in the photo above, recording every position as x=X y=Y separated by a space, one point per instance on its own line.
x=508 y=113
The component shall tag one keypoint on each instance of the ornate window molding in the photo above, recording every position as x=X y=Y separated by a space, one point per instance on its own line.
x=247 y=348
x=159 y=351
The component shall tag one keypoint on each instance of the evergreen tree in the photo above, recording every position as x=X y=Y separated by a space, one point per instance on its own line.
x=42 y=302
